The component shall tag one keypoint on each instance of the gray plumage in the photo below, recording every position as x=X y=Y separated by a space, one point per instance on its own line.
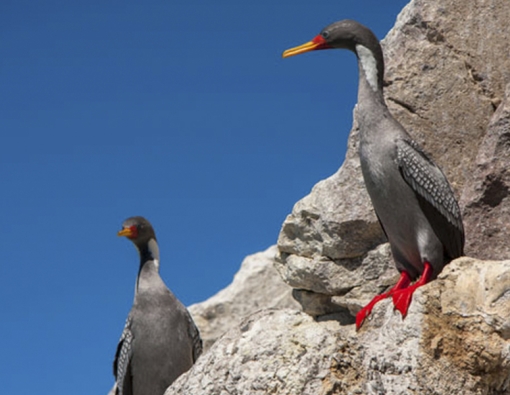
x=160 y=341
x=410 y=194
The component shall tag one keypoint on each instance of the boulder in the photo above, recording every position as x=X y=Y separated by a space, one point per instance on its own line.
x=455 y=340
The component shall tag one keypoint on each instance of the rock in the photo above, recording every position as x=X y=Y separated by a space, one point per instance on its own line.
x=445 y=74
x=324 y=239
x=458 y=342
x=321 y=290
x=454 y=340
x=444 y=79
x=486 y=197
x=335 y=221
x=256 y=286
x=278 y=352
x=377 y=274
x=317 y=305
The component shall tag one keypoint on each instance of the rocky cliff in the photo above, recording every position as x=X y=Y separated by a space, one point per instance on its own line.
x=447 y=69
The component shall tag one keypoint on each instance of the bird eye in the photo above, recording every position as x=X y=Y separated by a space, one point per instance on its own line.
x=325 y=34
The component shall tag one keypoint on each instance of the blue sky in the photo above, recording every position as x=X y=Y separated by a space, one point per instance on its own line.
x=183 y=112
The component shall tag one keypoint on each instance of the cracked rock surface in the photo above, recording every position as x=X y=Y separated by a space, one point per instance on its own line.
x=455 y=340
x=486 y=198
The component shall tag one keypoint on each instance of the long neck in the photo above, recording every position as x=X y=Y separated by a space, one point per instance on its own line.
x=149 y=263
x=371 y=103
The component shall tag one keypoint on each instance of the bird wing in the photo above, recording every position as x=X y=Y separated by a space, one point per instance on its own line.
x=435 y=195
x=121 y=363
x=195 y=337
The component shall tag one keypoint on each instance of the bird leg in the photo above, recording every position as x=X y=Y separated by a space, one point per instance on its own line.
x=402 y=283
x=402 y=298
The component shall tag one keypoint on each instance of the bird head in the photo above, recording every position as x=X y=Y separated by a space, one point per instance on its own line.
x=138 y=230
x=346 y=34
x=351 y=35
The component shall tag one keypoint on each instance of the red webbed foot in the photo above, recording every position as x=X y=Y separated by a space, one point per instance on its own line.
x=403 y=297
x=402 y=283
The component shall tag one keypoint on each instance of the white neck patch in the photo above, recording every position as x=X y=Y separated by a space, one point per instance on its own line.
x=154 y=251
x=369 y=65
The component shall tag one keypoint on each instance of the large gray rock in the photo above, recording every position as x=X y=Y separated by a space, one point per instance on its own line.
x=329 y=232
x=455 y=340
x=256 y=286
x=445 y=75
x=278 y=352
x=328 y=246
x=486 y=198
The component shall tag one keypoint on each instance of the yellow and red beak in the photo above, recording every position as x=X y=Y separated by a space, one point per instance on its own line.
x=128 y=232
x=318 y=42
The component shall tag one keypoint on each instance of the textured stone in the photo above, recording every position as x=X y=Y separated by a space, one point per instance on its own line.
x=486 y=198
x=271 y=352
x=256 y=286
x=445 y=75
x=323 y=241
x=316 y=305
x=459 y=335
x=335 y=220
x=364 y=277
x=455 y=340
x=325 y=276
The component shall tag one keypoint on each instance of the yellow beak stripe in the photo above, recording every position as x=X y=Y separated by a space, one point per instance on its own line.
x=306 y=47
x=125 y=232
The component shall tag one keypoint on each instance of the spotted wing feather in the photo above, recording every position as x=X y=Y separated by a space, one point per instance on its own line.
x=194 y=334
x=121 y=364
x=435 y=195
